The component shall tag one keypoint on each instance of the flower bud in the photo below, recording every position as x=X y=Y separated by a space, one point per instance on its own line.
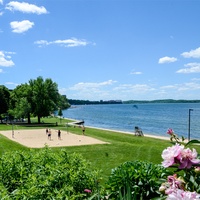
x=197 y=170
x=162 y=189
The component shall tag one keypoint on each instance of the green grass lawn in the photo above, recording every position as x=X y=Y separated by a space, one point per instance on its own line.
x=121 y=147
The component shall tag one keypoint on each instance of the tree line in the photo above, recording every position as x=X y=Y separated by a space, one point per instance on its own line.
x=88 y=102
x=38 y=98
x=161 y=101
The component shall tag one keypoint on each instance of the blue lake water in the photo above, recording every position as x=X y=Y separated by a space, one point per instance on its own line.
x=151 y=118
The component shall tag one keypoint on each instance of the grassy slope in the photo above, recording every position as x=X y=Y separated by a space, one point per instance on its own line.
x=122 y=147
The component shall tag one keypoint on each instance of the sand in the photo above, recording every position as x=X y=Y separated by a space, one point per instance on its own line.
x=37 y=138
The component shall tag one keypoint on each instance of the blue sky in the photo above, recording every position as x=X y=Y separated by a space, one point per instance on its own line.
x=103 y=49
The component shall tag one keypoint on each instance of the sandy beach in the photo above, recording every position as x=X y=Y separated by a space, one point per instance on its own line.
x=37 y=138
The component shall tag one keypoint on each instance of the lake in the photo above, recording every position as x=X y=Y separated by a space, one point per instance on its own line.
x=152 y=118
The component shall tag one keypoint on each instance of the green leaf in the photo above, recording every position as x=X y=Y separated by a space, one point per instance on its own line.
x=193 y=142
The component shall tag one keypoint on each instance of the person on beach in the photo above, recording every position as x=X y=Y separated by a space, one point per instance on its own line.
x=59 y=134
x=47 y=131
x=49 y=134
x=83 y=130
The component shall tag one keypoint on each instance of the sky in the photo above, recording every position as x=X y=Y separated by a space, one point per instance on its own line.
x=103 y=49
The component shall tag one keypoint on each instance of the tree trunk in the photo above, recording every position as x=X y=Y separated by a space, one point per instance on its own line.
x=38 y=119
x=29 y=118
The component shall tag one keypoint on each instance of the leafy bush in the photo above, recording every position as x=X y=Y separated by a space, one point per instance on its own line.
x=45 y=175
x=135 y=180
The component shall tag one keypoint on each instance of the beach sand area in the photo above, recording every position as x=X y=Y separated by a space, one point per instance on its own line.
x=37 y=138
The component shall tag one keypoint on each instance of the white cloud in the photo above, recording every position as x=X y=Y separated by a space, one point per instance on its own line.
x=136 y=73
x=1 y=1
x=1 y=13
x=11 y=83
x=72 y=42
x=167 y=59
x=5 y=60
x=86 y=86
x=192 y=54
x=20 y=27
x=168 y=87
x=97 y=91
x=183 y=87
x=136 y=88
x=26 y=8
x=196 y=79
x=1 y=70
x=91 y=90
x=41 y=42
x=190 y=68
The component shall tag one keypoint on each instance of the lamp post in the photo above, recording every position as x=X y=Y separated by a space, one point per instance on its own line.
x=189 y=124
x=12 y=131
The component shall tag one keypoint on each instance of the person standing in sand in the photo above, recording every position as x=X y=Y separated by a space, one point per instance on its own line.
x=59 y=134
x=49 y=134
x=47 y=131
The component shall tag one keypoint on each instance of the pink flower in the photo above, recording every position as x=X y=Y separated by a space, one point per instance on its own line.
x=176 y=154
x=171 y=154
x=188 y=158
x=170 y=131
x=174 y=183
x=87 y=191
x=183 y=195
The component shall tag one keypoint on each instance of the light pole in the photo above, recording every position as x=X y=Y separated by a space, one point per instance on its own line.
x=12 y=131
x=189 y=124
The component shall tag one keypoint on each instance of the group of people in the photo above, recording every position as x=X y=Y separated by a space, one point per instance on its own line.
x=48 y=133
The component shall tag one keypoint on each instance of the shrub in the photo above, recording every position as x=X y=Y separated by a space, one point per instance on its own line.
x=135 y=180
x=45 y=175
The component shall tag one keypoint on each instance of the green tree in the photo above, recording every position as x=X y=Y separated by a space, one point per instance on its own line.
x=60 y=114
x=21 y=102
x=45 y=98
x=4 y=101
x=63 y=102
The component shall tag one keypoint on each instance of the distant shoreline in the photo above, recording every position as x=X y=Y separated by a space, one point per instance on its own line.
x=87 y=102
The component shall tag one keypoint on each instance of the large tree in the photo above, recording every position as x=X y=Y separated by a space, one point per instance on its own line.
x=4 y=101
x=45 y=97
x=39 y=98
x=21 y=102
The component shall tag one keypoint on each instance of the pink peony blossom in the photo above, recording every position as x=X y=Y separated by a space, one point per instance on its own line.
x=176 y=182
x=188 y=159
x=176 y=154
x=171 y=154
x=183 y=195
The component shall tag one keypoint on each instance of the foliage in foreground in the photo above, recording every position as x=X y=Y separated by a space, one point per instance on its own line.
x=45 y=175
x=184 y=184
x=135 y=180
x=146 y=184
